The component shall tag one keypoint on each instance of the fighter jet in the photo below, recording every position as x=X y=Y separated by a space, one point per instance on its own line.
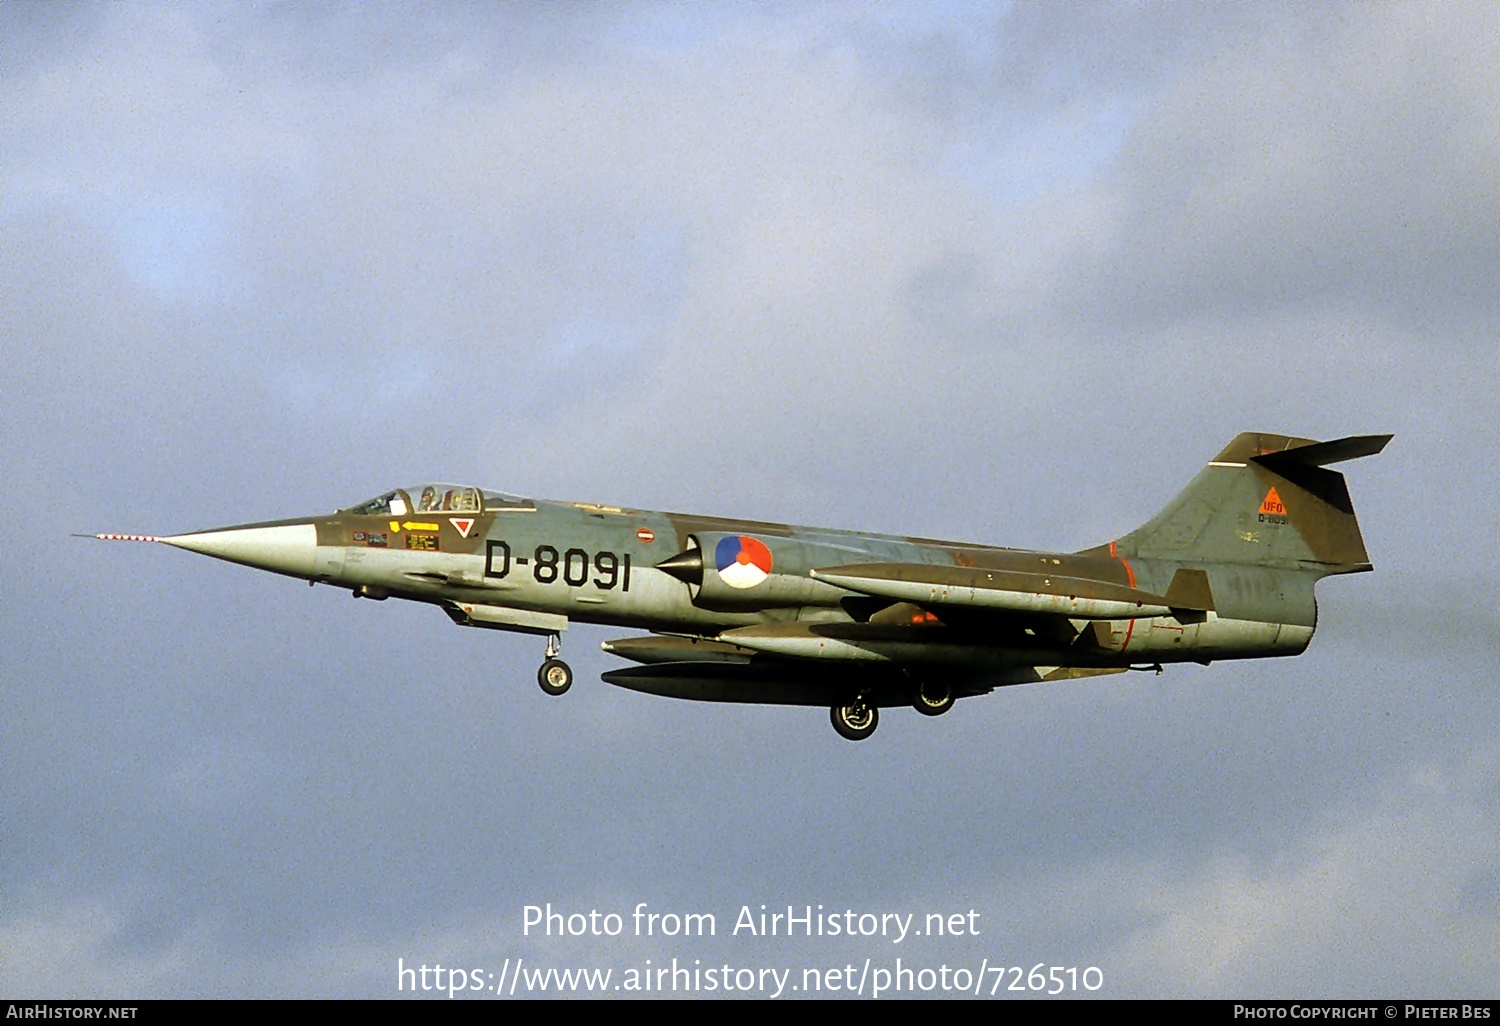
x=744 y=611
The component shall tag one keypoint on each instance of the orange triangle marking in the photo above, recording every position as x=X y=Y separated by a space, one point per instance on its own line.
x=1273 y=503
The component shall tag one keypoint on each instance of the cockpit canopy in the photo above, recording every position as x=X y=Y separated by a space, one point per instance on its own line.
x=436 y=498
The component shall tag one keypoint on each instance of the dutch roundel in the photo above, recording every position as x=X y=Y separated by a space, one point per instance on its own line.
x=743 y=562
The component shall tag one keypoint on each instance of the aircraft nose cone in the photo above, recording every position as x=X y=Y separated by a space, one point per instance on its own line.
x=284 y=548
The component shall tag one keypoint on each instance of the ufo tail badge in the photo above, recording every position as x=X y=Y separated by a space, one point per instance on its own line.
x=743 y=561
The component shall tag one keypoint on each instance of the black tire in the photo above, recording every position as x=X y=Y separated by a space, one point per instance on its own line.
x=932 y=699
x=855 y=720
x=555 y=677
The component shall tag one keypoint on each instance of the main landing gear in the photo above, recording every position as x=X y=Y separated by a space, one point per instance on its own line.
x=856 y=719
x=932 y=699
x=555 y=676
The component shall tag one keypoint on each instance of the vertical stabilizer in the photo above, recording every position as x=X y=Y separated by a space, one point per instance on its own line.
x=1265 y=500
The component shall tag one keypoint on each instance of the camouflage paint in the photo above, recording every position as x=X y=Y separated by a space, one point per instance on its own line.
x=813 y=616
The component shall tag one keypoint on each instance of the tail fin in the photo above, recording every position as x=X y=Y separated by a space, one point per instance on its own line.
x=1266 y=500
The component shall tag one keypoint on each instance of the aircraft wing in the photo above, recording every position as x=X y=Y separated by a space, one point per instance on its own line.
x=1011 y=591
x=1034 y=609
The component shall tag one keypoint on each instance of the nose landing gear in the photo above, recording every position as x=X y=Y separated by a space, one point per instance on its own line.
x=554 y=676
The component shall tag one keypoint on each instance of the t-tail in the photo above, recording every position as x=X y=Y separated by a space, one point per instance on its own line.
x=1266 y=501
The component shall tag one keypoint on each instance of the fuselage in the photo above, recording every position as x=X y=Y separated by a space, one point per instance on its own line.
x=748 y=611
x=496 y=560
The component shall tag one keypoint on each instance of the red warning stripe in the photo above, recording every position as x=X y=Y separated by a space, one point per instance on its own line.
x=127 y=537
x=1129 y=576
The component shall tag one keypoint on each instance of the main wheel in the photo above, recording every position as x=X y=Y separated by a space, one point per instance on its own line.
x=932 y=699
x=555 y=676
x=855 y=720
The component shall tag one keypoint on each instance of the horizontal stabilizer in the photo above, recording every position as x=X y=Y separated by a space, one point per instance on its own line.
x=1320 y=454
x=1009 y=590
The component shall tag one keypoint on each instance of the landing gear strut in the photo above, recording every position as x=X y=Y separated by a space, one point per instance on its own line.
x=855 y=720
x=555 y=676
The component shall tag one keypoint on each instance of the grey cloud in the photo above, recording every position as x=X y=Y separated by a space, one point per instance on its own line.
x=1339 y=167
x=40 y=34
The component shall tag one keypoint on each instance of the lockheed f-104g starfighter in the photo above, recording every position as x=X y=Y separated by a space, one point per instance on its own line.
x=743 y=611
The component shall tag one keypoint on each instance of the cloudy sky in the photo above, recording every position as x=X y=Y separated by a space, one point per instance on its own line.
x=1005 y=274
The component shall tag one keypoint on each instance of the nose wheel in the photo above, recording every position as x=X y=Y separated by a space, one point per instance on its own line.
x=554 y=676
